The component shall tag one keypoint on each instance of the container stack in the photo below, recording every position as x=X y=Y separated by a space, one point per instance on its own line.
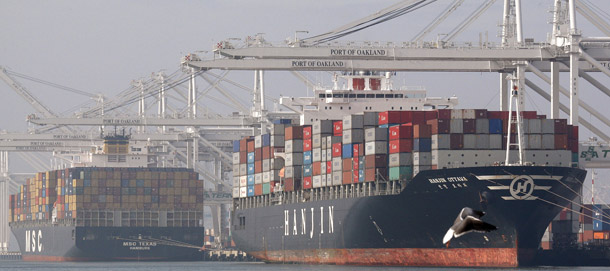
x=70 y=192
x=396 y=146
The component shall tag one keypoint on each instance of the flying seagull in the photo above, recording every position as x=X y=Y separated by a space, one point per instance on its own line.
x=468 y=220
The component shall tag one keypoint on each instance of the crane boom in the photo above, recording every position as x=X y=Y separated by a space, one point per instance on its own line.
x=25 y=94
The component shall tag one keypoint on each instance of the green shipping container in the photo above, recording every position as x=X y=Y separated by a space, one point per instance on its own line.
x=401 y=173
x=266 y=189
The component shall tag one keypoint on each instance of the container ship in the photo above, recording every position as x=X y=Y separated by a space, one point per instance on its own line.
x=376 y=176
x=110 y=212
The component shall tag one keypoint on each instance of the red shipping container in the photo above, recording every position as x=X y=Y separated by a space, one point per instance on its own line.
x=561 y=141
x=355 y=166
x=444 y=114
x=316 y=168
x=430 y=115
x=243 y=145
x=480 y=113
x=439 y=126
x=456 y=141
x=250 y=147
x=258 y=189
x=561 y=126
x=401 y=131
x=469 y=126
x=376 y=161
x=289 y=184
x=529 y=114
x=258 y=166
x=293 y=132
x=418 y=117
x=306 y=132
x=266 y=151
x=347 y=164
x=307 y=144
x=258 y=154
x=422 y=131
x=338 y=128
x=401 y=145
x=574 y=132
x=337 y=149
x=329 y=167
x=346 y=177
x=355 y=176
x=371 y=173
x=573 y=145
x=406 y=117
x=389 y=117
x=357 y=148
x=307 y=182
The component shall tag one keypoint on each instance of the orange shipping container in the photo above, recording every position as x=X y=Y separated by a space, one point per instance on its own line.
x=598 y=235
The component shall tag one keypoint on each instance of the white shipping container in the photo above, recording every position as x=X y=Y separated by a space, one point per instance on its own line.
x=316 y=141
x=316 y=154
x=375 y=134
x=277 y=141
x=243 y=180
x=266 y=176
x=236 y=170
x=323 y=167
x=353 y=136
x=376 y=147
x=457 y=114
x=323 y=155
x=482 y=141
x=329 y=142
x=482 y=126
x=353 y=122
x=548 y=141
x=235 y=192
x=495 y=141
x=548 y=126
x=258 y=178
x=456 y=126
x=324 y=144
x=337 y=164
x=329 y=155
x=422 y=158
x=468 y=114
x=266 y=165
x=324 y=180
x=400 y=159
x=534 y=141
x=534 y=126
x=258 y=141
x=470 y=141
x=337 y=177
x=317 y=181
x=294 y=146
x=441 y=142
x=243 y=192
x=322 y=127
x=235 y=158
x=235 y=181
x=243 y=169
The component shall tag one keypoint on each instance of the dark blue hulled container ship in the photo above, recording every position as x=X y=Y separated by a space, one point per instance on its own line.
x=386 y=178
x=110 y=212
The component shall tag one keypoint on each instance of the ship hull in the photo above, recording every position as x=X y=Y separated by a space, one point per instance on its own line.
x=407 y=229
x=70 y=243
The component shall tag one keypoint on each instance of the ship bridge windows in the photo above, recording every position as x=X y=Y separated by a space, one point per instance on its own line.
x=370 y=95
x=379 y=96
x=321 y=95
x=360 y=95
x=398 y=96
x=389 y=95
x=351 y=95
x=338 y=95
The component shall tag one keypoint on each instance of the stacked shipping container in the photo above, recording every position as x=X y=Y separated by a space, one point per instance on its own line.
x=395 y=146
x=74 y=192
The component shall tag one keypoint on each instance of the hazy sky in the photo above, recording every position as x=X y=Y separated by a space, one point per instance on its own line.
x=101 y=46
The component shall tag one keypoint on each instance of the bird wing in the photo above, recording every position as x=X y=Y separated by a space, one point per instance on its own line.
x=471 y=223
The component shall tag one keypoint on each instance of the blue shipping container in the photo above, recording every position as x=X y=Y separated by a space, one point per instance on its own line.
x=495 y=126
x=384 y=126
x=307 y=157
x=422 y=144
x=251 y=179
x=348 y=150
x=250 y=169
x=282 y=121
x=250 y=158
x=360 y=175
x=250 y=190
x=597 y=225
x=266 y=140
x=236 y=146
x=307 y=170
